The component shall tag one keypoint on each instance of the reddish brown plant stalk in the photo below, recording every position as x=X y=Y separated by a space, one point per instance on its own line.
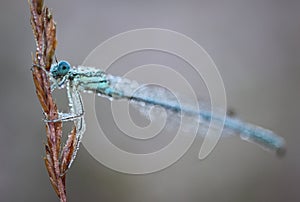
x=57 y=158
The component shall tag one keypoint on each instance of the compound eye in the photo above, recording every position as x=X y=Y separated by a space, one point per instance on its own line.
x=63 y=68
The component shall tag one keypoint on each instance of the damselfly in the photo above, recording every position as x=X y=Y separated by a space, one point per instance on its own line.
x=88 y=79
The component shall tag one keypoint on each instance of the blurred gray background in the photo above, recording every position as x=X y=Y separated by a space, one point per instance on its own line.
x=256 y=47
